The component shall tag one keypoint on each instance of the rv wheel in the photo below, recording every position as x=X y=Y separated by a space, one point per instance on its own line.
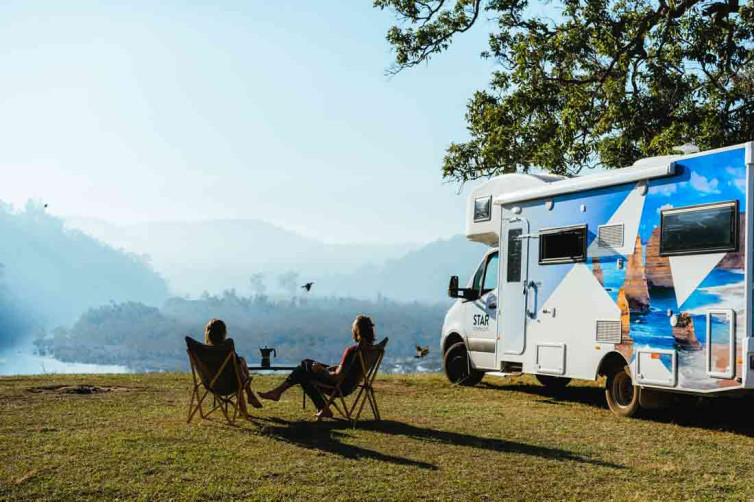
x=456 y=366
x=552 y=382
x=621 y=393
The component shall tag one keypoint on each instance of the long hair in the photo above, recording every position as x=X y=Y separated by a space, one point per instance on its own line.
x=215 y=332
x=363 y=329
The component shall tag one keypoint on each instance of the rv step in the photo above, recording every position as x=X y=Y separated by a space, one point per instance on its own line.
x=511 y=367
x=502 y=374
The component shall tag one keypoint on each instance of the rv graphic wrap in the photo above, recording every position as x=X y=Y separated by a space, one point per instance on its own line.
x=662 y=302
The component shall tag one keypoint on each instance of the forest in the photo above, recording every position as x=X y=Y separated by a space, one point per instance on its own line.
x=146 y=338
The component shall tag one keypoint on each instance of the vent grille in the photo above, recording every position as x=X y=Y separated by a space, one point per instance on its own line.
x=608 y=331
x=610 y=236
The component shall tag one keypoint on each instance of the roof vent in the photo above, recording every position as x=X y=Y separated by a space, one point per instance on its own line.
x=686 y=148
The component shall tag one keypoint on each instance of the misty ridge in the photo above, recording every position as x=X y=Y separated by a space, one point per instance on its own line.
x=217 y=255
x=90 y=299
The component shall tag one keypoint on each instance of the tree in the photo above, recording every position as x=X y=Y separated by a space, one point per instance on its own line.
x=288 y=282
x=256 y=282
x=598 y=82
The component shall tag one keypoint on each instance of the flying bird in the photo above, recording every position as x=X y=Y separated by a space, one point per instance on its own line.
x=421 y=351
x=307 y=286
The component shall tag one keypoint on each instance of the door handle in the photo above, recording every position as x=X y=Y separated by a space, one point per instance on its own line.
x=492 y=305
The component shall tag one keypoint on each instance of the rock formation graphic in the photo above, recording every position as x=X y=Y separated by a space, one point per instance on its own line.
x=635 y=285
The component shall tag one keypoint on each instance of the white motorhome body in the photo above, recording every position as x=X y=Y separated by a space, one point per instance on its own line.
x=641 y=274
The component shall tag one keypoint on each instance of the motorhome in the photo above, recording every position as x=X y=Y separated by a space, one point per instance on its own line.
x=641 y=275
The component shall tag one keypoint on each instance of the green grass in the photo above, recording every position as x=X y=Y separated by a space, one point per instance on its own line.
x=504 y=439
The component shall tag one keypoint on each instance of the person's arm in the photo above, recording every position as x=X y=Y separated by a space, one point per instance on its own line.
x=337 y=371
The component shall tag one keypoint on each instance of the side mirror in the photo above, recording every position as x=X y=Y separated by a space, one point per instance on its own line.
x=470 y=294
x=453 y=287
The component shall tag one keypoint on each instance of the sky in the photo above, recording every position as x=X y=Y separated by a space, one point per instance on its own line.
x=279 y=111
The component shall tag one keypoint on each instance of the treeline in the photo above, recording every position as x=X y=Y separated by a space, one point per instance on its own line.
x=146 y=338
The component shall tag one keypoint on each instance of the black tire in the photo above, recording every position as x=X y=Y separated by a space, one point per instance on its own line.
x=553 y=383
x=621 y=393
x=455 y=364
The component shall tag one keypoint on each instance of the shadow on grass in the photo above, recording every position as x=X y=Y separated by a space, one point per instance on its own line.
x=729 y=414
x=591 y=396
x=326 y=437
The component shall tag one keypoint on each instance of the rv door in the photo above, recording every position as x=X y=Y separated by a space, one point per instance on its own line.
x=481 y=314
x=514 y=290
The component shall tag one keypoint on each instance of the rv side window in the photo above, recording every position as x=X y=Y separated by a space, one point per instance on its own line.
x=514 y=255
x=483 y=209
x=490 y=275
x=711 y=228
x=562 y=245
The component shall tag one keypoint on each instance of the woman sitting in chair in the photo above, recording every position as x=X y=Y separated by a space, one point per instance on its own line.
x=214 y=334
x=310 y=371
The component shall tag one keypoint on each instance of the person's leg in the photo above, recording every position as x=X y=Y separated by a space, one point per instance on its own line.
x=243 y=370
x=297 y=376
x=315 y=395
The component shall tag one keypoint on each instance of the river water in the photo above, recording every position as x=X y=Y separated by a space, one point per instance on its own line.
x=21 y=360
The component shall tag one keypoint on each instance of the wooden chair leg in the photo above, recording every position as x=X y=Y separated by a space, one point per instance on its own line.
x=194 y=396
x=375 y=408
x=199 y=407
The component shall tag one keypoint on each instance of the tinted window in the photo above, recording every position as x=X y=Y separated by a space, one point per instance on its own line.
x=701 y=229
x=562 y=245
x=514 y=255
x=490 y=274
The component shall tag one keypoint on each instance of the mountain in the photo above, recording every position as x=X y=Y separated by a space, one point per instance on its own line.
x=50 y=275
x=421 y=275
x=216 y=255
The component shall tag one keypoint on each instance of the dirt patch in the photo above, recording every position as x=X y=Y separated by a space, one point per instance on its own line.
x=81 y=389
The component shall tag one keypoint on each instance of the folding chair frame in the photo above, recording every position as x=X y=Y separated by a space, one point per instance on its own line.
x=225 y=404
x=334 y=393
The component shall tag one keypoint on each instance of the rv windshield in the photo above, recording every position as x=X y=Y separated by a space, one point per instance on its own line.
x=478 y=277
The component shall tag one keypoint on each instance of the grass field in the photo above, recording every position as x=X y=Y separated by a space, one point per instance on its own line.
x=504 y=439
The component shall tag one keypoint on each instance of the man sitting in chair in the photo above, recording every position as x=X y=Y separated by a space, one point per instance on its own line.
x=310 y=371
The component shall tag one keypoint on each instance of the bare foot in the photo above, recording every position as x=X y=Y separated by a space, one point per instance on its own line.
x=270 y=395
x=324 y=413
x=253 y=400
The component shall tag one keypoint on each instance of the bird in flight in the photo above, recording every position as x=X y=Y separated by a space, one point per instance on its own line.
x=421 y=351
x=307 y=286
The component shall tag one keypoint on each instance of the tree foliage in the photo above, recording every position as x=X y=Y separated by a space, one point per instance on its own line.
x=582 y=83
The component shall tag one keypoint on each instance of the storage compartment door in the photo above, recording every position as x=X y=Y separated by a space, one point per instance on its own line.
x=657 y=367
x=551 y=358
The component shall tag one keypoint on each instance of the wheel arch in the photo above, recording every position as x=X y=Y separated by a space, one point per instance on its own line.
x=610 y=362
x=451 y=339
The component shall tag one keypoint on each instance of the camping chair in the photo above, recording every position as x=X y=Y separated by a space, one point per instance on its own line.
x=361 y=372
x=216 y=367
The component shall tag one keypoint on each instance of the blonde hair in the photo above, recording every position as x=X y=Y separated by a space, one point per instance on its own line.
x=363 y=329
x=215 y=332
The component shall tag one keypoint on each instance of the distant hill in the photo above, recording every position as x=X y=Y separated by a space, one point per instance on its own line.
x=221 y=254
x=420 y=275
x=50 y=275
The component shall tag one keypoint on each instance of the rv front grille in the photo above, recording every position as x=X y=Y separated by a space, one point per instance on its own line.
x=610 y=236
x=608 y=331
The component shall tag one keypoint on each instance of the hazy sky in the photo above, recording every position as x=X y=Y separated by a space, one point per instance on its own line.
x=130 y=111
